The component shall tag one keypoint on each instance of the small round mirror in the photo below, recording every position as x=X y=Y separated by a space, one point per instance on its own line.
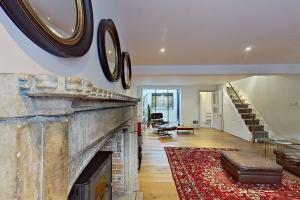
x=126 y=70
x=109 y=50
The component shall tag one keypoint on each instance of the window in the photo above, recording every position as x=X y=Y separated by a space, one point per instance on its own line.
x=163 y=101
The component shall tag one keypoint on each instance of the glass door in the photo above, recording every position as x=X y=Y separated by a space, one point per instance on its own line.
x=165 y=101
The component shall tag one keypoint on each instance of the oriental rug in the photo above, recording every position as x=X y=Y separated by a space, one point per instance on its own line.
x=198 y=174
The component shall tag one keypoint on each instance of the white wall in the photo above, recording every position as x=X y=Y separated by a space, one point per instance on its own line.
x=19 y=55
x=189 y=99
x=277 y=99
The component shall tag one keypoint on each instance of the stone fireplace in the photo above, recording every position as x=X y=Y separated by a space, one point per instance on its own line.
x=50 y=129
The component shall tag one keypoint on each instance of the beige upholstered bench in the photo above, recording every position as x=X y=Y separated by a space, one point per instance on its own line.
x=251 y=168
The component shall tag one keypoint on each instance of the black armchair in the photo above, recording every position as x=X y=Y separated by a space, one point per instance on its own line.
x=157 y=119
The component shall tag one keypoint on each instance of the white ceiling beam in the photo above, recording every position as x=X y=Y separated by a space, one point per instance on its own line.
x=264 y=69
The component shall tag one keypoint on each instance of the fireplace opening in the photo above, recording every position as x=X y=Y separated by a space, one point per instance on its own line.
x=94 y=183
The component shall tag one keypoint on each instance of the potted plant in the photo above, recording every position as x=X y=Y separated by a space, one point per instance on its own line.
x=149 y=115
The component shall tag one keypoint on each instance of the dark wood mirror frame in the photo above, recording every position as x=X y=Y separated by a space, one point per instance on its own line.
x=126 y=59
x=107 y=25
x=29 y=23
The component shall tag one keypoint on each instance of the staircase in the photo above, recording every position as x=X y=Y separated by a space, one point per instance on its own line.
x=248 y=115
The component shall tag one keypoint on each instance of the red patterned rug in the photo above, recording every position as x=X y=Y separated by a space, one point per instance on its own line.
x=198 y=174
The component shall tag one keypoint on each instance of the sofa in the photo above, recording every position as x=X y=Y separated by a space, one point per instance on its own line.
x=289 y=158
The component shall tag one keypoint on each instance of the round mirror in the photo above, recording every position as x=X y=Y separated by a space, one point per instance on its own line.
x=126 y=70
x=109 y=50
x=59 y=16
x=61 y=27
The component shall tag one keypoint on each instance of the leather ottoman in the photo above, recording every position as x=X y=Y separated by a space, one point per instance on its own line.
x=289 y=159
x=251 y=168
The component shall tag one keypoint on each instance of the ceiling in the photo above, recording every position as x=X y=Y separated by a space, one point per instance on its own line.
x=184 y=79
x=205 y=32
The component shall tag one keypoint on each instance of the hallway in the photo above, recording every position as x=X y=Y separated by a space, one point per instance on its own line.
x=155 y=177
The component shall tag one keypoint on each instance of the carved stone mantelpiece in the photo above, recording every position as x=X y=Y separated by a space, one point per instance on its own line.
x=53 y=95
x=51 y=127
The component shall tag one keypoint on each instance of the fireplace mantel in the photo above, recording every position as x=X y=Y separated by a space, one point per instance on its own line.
x=51 y=127
x=28 y=95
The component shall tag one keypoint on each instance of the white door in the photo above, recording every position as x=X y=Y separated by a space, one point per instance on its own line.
x=217 y=116
x=205 y=109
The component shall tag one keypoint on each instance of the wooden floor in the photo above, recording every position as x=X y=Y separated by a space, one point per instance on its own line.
x=155 y=176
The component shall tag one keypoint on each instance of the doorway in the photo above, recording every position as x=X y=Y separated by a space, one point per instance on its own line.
x=165 y=101
x=206 y=109
x=217 y=106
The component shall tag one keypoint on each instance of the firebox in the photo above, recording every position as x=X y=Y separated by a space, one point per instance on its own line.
x=94 y=183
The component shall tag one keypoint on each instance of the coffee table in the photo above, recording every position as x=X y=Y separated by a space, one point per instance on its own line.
x=164 y=130
x=185 y=128
x=279 y=142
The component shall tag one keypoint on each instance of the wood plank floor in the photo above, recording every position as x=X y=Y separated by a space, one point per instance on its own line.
x=155 y=176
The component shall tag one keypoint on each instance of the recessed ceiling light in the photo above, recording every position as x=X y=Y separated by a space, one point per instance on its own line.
x=48 y=18
x=248 y=48
x=162 y=50
x=109 y=51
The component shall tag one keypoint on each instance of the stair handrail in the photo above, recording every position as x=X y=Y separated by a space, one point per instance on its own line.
x=249 y=113
x=236 y=94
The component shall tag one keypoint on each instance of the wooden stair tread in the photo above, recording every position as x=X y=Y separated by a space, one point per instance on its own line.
x=253 y=114
x=256 y=132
